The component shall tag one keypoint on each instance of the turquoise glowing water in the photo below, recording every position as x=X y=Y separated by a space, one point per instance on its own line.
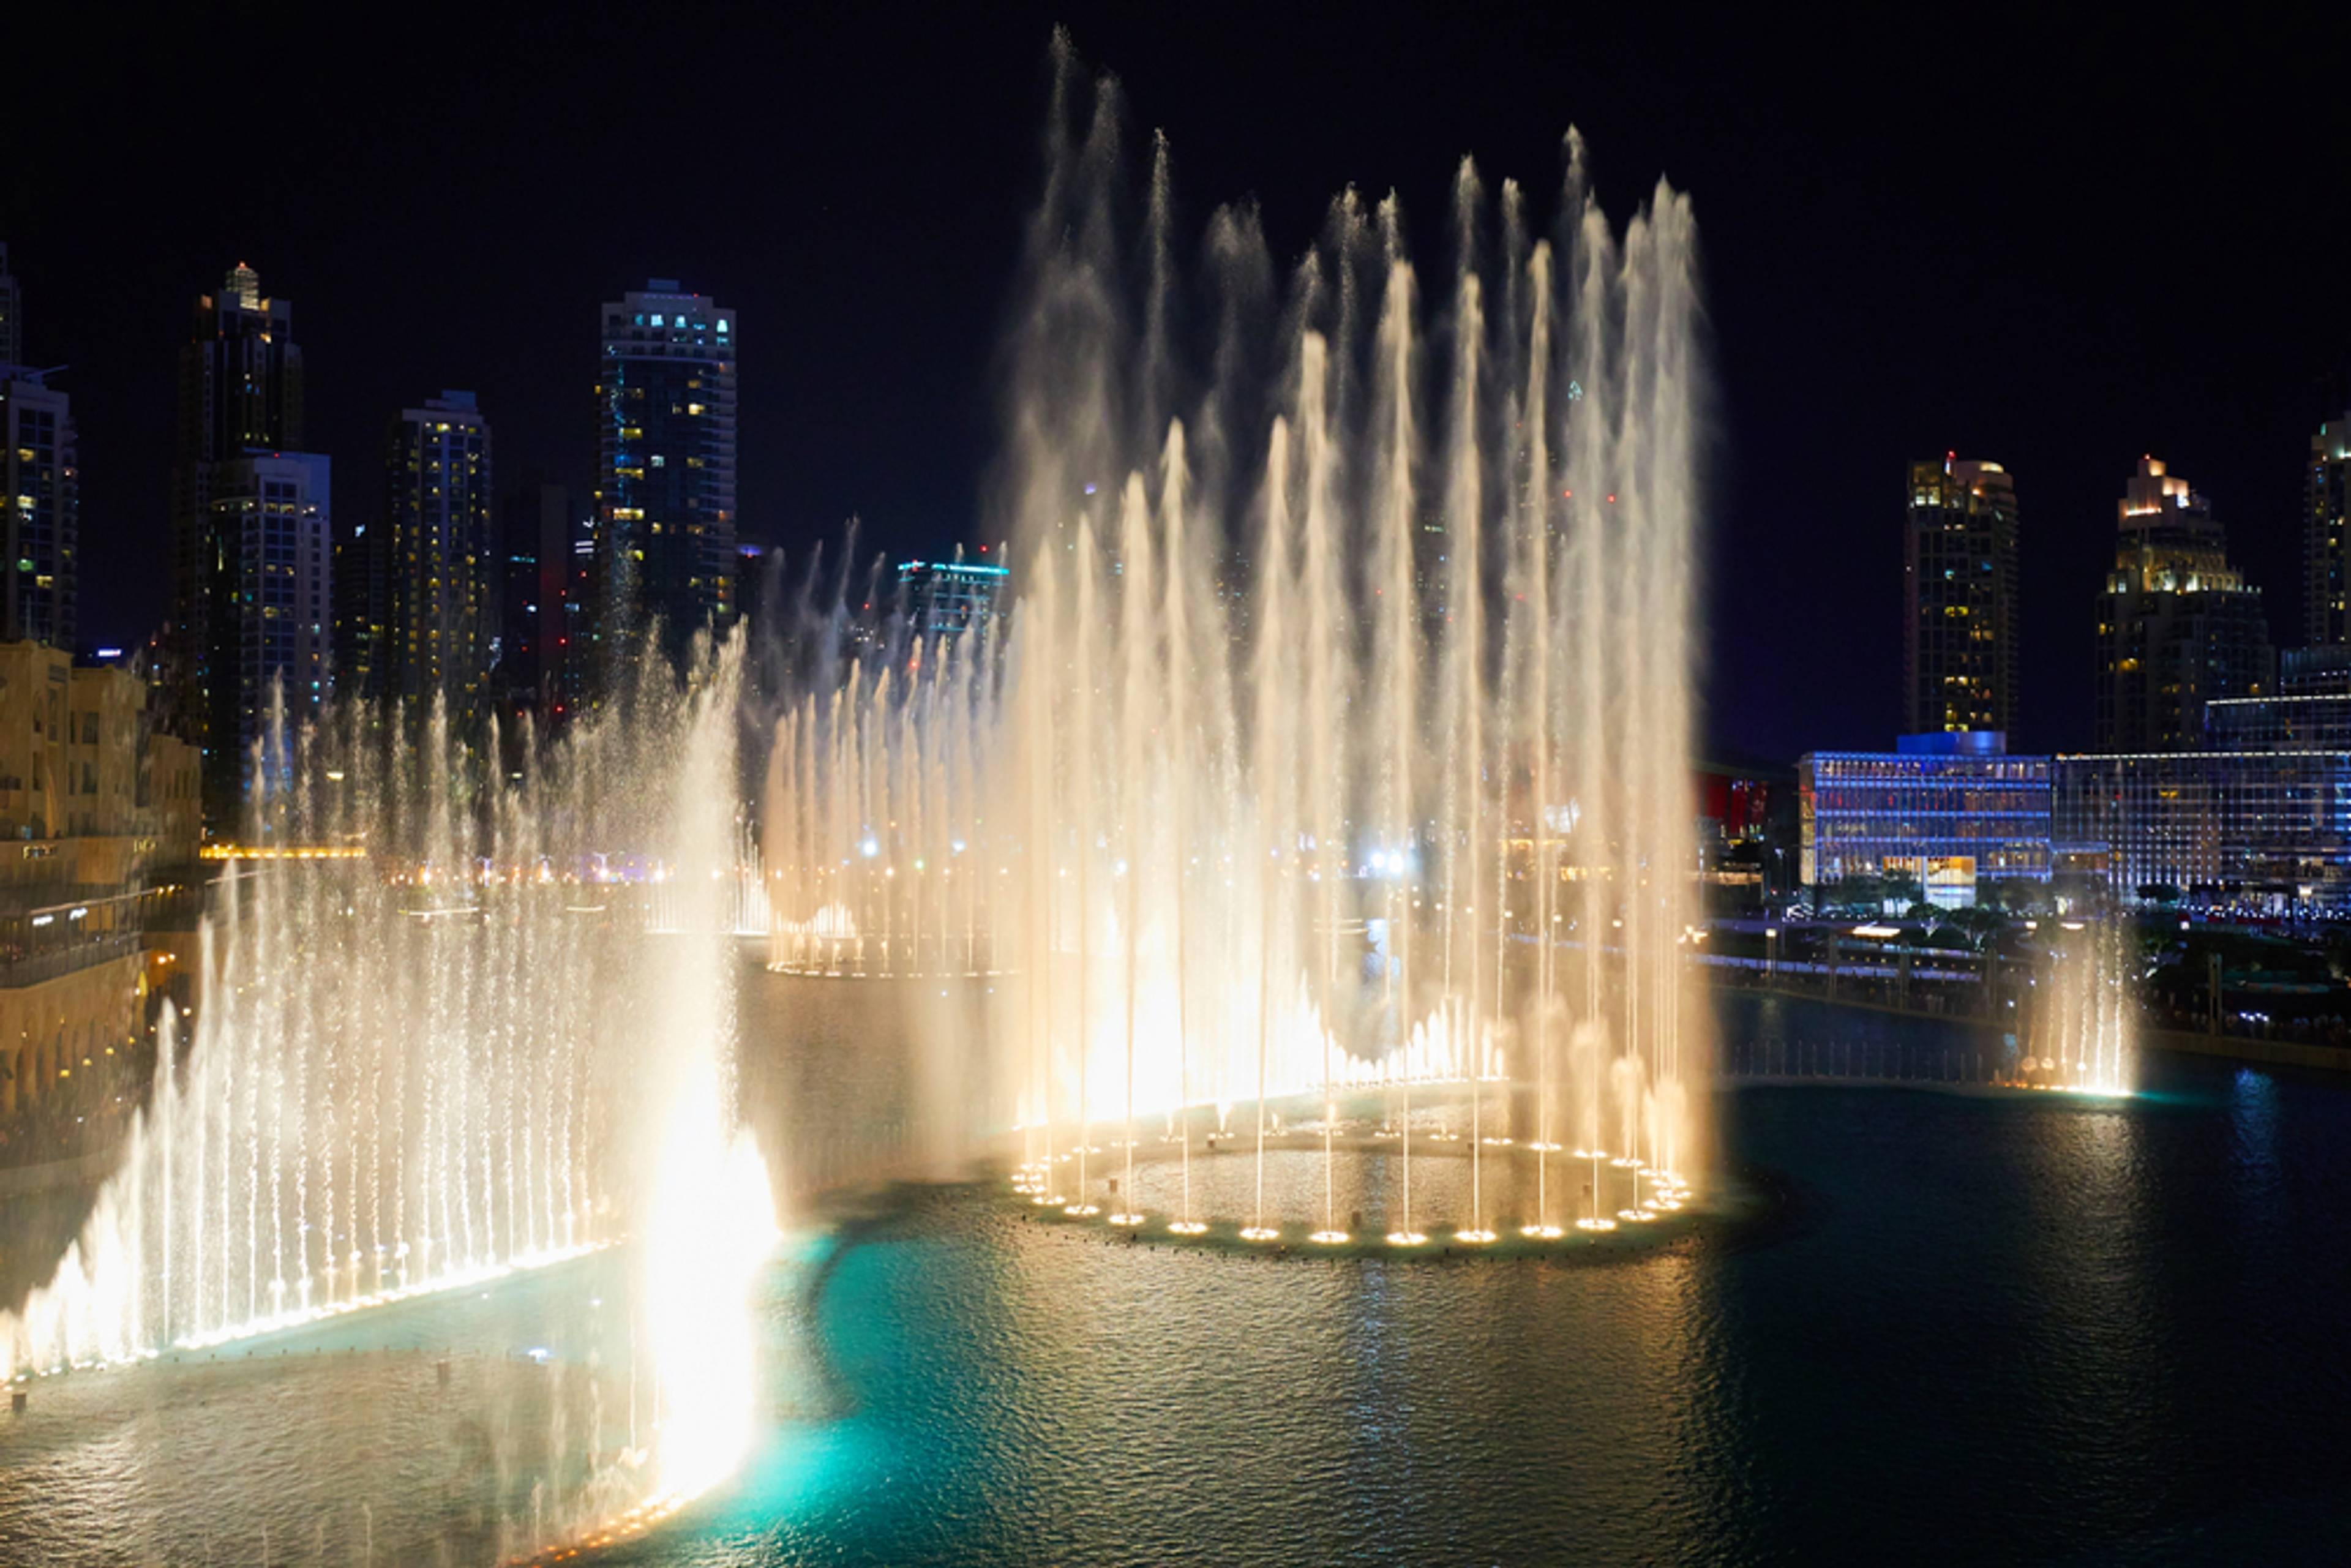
x=1971 y=1328
x=1974 y=1329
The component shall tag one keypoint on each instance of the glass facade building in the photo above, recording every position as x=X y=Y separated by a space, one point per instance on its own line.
x=534 y=570
x=240 y=404
x=438 y=533
x=943 y=598
x=665 y=401
x=2290 y=721
x=12 y=342
x=2327 y=535
x=2255 y=831
x=40 y=488
x=1951 y=810
x=40 y=484
x=270 y=620
x=1959 y=575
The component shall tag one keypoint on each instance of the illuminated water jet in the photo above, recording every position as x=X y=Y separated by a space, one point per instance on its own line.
x=370 y=1109
x=1332 y=728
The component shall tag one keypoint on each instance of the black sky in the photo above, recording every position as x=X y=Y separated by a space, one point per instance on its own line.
x=2053 y=243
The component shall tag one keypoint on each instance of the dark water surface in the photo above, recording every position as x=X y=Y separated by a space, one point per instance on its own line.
x=1968 y=1327
x=1974 y=1328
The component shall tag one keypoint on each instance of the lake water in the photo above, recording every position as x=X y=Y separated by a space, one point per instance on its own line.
x=1966 y=1328
x=1960 y=1327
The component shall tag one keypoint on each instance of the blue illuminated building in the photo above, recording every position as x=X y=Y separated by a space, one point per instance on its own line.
x=1951 y=809
x=2238 y=831
x=2258 y=821
x=943 y=598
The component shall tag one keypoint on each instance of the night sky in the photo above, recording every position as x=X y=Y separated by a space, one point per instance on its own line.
x=2054 y=244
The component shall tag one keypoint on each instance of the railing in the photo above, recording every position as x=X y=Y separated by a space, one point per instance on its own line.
x=33 y=968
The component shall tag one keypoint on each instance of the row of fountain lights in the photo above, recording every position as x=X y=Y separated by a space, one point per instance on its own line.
x=620 y=1527
x=1032 y=1179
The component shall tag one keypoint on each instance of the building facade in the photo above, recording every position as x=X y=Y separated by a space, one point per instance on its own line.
x=943 y=598
x=665 y=500
x=12 y=341
x=2265 y=832
x=99 y=831
x=2309 y=710
x=2325 y=517
x=2284 y=722
x=40 y=482
x=79 y=761
x=270 y=613
x=2178 y=625
x=359 y=591
x=1951 y=810
x=1961 y=584
x=241 y=399
x=40 y=475
x=534 y=563
x=436 y=542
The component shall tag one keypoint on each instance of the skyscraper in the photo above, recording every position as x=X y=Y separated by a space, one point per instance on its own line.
x=39 y=474
x=240 y=485
x=2178 y=625
x=12 y=341
x=361 y=591
x=268 y=609
x=1959 y=586
x=534 y=565
x=2326 y=516
x=665 y=470
x=40 y=478
x=437 y=540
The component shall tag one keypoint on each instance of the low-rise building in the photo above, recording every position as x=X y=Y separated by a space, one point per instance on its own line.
x=99 y=832
x=1950 y=808
x=2298 y=722
x=2255 y=832
x=948 y=598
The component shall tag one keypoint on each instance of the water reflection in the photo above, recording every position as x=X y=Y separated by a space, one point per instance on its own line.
x=1970 y=1329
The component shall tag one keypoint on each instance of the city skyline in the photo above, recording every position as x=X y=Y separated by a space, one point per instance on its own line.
x=1369 y=783
x=878 y=280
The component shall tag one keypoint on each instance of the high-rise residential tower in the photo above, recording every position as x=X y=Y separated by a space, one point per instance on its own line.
x=40 y=475
x=240 y=485
x=2327 y=535
x=2178 y=625
x=12 y=341
x=437 y=539
x=359 y=587
x=268 y=611
x=665 y=470
x=534 y=566
x=1959 y=587
x=41 y=480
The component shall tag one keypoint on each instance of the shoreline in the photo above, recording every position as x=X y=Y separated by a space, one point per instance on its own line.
x=2248 y=1049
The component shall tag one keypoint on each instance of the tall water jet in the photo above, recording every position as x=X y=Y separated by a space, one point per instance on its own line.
x=2086 y=1026
x=420 y=1059
x=1440 y=573
x=706 y=1220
